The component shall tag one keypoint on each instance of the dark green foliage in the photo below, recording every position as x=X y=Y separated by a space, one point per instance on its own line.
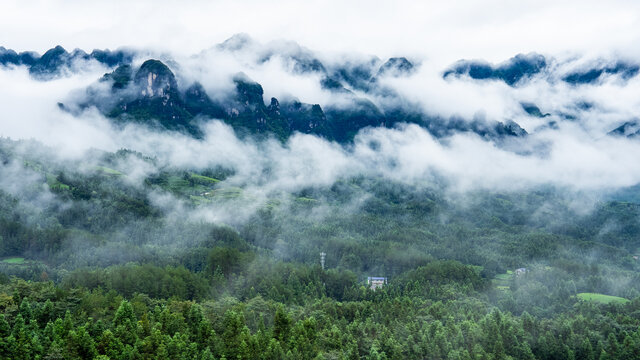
x=154 y=281
x=248 y=92
x=157 y=98
x=101 y=272
x=396 y=327
x=346 y=122
x=149 y=95
x=197 y=102
x=121 y=76
x=439 y=273
x=227 y=260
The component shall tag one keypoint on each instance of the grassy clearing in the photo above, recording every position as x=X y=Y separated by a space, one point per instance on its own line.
x=178 y=184
x=109 y=171
x=227 y=193
x=601 y=298
x=54 y=184
x=14 y=260
x=197 y=188
x=199 y=200
x=204 y=180
x=501 y=281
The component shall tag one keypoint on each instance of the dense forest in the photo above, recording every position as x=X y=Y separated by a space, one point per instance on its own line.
x=98 y=262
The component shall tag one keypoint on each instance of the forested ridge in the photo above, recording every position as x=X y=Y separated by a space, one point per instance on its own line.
x=100 y=263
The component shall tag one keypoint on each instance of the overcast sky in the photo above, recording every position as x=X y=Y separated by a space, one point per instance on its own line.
x=491 y=29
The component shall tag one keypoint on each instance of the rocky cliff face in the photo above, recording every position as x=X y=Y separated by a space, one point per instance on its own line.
x=150 y=93
x=156 y=80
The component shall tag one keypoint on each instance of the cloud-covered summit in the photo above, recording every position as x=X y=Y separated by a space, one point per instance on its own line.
x=57 y=60
x=351 y=93
x=522 y=123
x=525 y=67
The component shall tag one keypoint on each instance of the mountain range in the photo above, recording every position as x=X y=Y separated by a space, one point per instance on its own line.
x=144 y=89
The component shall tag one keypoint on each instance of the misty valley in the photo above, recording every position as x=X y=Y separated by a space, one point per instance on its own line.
x=200 y=207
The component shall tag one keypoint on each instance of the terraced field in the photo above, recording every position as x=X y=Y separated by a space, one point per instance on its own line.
x=601 y=298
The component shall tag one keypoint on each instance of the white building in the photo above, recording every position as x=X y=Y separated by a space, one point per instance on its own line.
x=376 y=282
x=521 y=271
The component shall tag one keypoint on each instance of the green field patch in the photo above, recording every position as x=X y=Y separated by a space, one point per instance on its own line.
x=109 y=171
x=32 y=165
x=199 y=200
x=501 y=281
x=601 y=298
x=203 y=180
x=54 y=184
x=178 y=184
x=191 y=185
x=15 y=261
x=227 y=193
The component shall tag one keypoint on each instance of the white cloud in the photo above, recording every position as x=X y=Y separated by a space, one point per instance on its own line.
x=492 y=29
x=577 y=154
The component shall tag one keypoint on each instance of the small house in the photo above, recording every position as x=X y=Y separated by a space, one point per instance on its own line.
x=376 y=282
x=520 y=271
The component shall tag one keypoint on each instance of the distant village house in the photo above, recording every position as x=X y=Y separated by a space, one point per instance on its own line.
x=520 y=271
x=376 y=282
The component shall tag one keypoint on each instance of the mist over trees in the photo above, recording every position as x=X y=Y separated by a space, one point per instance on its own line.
x=176 y=206
x=100 y=262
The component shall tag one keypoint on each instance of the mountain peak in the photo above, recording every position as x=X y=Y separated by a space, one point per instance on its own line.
x=155 y=78
x=50 y=63
x=248 y=91
x=236 y=42
x=396 y=66
x=121 y=76
x=512 y=71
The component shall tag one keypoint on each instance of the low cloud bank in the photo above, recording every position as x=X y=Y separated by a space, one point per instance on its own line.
x=573 y=152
